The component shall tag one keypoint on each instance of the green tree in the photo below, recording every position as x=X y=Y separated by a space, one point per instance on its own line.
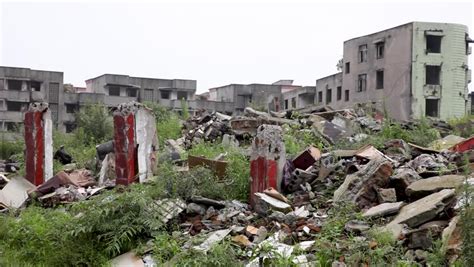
x=95 y=122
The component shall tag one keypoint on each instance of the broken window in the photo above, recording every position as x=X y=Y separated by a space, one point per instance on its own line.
x=165 y=94
x=361 y=82
x=346 y=95
x=363 y=53
x=13 y=126
x=14 y=106
x=348 y=67
x=432 y=108
x=380 y=49
x=339 y=93
x=379 y=80
x=293 y=102
x=433 y=44
x=320 y=97
x=35 y=86
x=182 y=95
x=433 y=74
x=328 y=96
x=70 y=108
x=70 y=127
x=131 y=92
x=286 y=103
x=114 y=90
x=14 y=85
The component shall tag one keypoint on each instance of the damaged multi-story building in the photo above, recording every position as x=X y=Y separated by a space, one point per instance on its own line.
x=278 y=96
x=21 y=86
x=410 y=71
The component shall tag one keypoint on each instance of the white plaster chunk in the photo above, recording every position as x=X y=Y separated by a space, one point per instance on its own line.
x=48 y=145
x=145 y=131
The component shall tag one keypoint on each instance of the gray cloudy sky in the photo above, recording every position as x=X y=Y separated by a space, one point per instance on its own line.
x=216 y=44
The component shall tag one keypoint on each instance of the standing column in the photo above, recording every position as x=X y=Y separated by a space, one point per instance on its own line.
x=39 y=143
x=267 y=160
x=135 y=143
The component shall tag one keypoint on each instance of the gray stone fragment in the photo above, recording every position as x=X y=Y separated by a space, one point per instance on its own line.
x=384 y=209
x=427 y=186
x=424 y=209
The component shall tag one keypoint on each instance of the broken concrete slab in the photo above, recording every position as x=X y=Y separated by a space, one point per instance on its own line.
x=371 y=153
x=401 y=179
x=359 y=187
x=217 y=166
x=15 y=193
x=357 y=227
x=274 y=203
x=427 y=186
x=387 y=195
x=275 y=194
x=384 y=209
x=213 y=238
x=452 y=239
x=425 y=209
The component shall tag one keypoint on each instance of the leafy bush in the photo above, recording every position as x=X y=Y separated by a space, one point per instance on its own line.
x=83 y=152
x=10 y=148
x=95 y=123
x=296 y=140
x=237 y=172
x=463 y=126
x=168 y=125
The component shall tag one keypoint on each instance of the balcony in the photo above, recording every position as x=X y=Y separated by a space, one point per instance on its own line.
x=70 y=98
x=13 y=116
x=17 y=96
x=116 y=100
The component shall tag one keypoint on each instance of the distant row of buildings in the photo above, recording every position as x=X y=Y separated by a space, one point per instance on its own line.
x=412 y=70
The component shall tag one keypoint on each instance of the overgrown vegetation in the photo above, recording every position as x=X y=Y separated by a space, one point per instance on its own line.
x=463 y=126
x=421 y=133
x=10 y=148
x=296 y=140
x=168 y=124
x=94 y=124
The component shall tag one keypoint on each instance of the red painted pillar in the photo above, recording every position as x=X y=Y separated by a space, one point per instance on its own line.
x=125 y=149
x=38 y=142
x=267 y=160
x=135 y=143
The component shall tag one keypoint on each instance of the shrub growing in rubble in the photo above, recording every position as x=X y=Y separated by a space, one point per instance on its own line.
x=96 y=124
x=168 y=125
x=10 y=148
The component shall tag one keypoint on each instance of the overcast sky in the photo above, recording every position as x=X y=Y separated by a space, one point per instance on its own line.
x=215 y=44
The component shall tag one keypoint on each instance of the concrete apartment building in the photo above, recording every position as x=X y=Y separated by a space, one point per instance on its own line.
x=278 y=96
x=412 y=70
x=20 y=86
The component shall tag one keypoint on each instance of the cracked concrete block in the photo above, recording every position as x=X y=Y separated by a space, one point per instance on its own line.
x=360 y=187
x=427 y=186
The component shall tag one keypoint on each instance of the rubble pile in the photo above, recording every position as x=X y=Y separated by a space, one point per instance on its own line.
x=405 y=190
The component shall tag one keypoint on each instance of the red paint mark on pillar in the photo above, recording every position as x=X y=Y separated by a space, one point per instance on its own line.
x=30 y=146
x=39 y=138
x=125 y=148
x=264 y=175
